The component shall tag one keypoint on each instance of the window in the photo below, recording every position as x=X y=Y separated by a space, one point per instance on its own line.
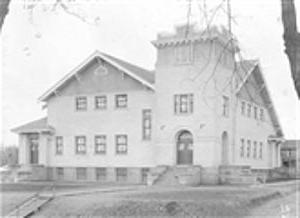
x=254 y=149
x=243 y=108
x=121 y=174
x=80 y=144
x=260 y=150
x=100 y=144
x=81 y=103
x=81 y=173
x=183 y=104
x=121 y=101
x=255 y=113
x=100 y=102
x=184 y=54
x=261 y=114
x=225 y=106
x=249 y=110
x=146 y=124
x=242 y=151
x=101 y=174
x=248 y=148
x=145 y=174
x=121 y=144
x=60 y=172
x=59 y=145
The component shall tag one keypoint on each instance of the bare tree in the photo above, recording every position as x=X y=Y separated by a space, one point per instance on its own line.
x=67 y=6
x=4 y=5
x=291 y=38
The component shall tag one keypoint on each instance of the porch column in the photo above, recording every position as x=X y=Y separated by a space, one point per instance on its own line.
x=279 y=154
x=43 y=148
x=23 y=154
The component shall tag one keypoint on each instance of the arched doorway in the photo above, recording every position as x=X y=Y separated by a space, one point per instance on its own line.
x=184 y=148
x=225 y=148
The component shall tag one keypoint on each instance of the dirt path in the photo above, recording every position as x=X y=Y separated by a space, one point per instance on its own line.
x=285 y=207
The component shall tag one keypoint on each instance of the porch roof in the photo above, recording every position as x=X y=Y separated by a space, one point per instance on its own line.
x=36 y=126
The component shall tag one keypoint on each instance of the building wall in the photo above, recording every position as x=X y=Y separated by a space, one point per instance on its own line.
x=70 y=123
x=255 y=129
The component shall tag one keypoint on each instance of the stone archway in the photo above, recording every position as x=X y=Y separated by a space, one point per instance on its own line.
x=225 y=149
x=184 y=144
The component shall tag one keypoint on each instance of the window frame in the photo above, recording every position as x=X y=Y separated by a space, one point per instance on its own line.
x=260 y=150
x=100 y=144
x=255 y=149
x=117 y=101
x=183 y=104
x=225 y=106
x=242 y=148
x=77 y=103
x=262 y=114
x=146 y=124
x=99 y=176
x=77 y=151
x=84 y=173
x=249 y=109
x=243 y=108
x=248 y=155
x=179 y=54
x=118 y=144
x=59 y=147
x=102 y=105
x=121 y=174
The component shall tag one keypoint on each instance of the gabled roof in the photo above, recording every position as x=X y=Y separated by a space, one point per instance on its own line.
x=141 y=75
x=40 y=125
x=252 y=67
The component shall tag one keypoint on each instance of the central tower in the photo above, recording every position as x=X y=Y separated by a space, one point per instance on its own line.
x=186 y=99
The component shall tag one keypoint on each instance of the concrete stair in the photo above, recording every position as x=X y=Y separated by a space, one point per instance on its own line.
x=177 y=176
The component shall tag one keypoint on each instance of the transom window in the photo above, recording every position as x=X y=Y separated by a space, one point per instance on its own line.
x=146 y=124
x=59 y=145
x=183 y=103
x=225 y=111
x=80 y=142
x=100 y=102
x=121 y=144
x=100 y=144
x=121 y=101
x=81 y=103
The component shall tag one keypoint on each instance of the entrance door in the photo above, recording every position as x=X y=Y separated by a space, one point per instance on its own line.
x=225 y=148
x=185 y=148
x=34 y=149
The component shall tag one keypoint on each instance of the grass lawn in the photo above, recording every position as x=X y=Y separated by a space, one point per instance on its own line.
x=219 y=201
x=12 y=194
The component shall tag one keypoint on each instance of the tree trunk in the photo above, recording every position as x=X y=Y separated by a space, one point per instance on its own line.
x=4 y=4
x=292 y=40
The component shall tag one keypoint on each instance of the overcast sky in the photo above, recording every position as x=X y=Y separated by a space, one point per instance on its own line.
x=37 y=51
